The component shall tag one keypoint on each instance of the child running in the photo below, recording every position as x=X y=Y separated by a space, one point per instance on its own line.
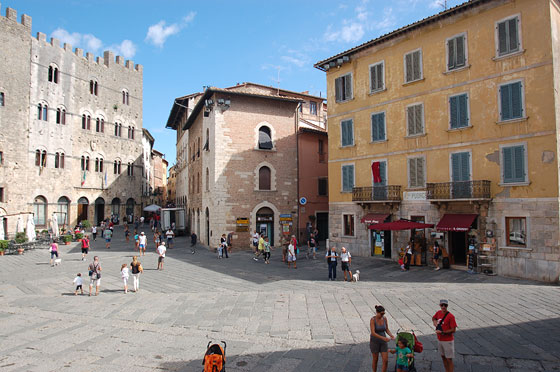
x=78 y=281
x=403 y=355
x=267 y=251
x=124 y=276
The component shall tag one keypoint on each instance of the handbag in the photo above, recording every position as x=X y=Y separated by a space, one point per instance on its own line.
x=418 y=347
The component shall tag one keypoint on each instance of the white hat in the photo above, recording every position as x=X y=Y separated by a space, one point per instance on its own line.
x=142 y=233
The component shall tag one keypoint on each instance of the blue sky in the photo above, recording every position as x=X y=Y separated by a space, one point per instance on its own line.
x=185 y=45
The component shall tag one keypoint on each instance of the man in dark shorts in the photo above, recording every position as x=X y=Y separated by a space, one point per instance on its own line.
x=193 y=243
x=85 y=247
x=437 y=253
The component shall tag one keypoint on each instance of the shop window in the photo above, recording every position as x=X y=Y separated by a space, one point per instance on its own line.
x=343 y=88
x=413 y=66
x=516 y=231
x=348 y=224
x=264 y=178
x=62 y=212
x=322 y=186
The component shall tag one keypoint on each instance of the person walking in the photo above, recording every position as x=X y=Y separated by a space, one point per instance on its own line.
x=94 y=275
x=142 y=221
x=94 y=232
x=193 y=243
x=267 y=251
x=311 y=247
x=161 y=251
x=437 y=253
x=142 y=243
x=332 y=256
x=408 y=255
x=136 y=240
x=136 y=269
x=255 y=238
x=346 y=260
x=445 y=325
x=125 y=275
x=379 y=329
x=53 y=251
x=157 y=238
x=85 y=247
x=223 y=246
x=292 y=258
x=170 y=235
x=229 y=242
x=108 y=234
x=260 y=248
x=126 y=233
x=78 y=282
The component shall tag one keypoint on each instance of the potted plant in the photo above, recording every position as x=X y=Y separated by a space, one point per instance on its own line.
x=86 y=224
x=21 y=238
x=79 y=236
x=3 y=246
x=66 y=239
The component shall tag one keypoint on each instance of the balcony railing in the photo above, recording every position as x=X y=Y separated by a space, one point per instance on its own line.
x=376 y=193
x=458 y=190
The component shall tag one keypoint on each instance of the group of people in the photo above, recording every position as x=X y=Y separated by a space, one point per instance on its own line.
x=261 y=246
x=380 y=335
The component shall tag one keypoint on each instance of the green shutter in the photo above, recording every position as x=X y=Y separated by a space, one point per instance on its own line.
x=420 y=171
x=346 y=132
x=513 y=42
x=381 y=126
x=374 y=119
x=379 y=68
x=463 y=111
x=373 y=75
x=338 y=89
x=519 y=164
x=344 y=178
x=460 y=51
x=455 y=167
x=451 y=54
x=348 y=87
x=453 y=112
x=410 y=118
x=383 y=173
x=408 y=67
x=418 y=119
x=416 y=65
x=505 y=97
x=507 y=157
x=347 y=177
x=516 y=100
x=412 y=172
x=502 y=38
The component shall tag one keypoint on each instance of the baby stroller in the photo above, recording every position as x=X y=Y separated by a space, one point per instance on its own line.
x=413 y=344
x=214 y=358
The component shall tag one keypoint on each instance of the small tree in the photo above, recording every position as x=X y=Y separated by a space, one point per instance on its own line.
x=86 y=224
x=21 y=237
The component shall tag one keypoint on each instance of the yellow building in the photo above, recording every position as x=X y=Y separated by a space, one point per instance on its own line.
x=451 y=121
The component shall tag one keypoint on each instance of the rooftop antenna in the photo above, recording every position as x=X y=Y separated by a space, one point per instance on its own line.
x=443 y=4
x=278 y=80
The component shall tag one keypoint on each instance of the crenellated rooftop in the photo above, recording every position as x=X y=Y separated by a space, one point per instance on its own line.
x=108 y=59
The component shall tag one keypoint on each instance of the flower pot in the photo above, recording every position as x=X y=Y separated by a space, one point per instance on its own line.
x=66 y=243
x=1 y=253
x=20 y=250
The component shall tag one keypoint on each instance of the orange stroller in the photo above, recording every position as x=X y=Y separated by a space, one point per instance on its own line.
x=215 y=358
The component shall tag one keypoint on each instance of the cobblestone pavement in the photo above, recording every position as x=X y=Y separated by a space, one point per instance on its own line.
x=272 y=318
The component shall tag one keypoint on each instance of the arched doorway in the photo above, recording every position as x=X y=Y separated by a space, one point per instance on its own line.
x=99 y=210
x=62 y=211
x=83 y=204
x=265 y=223
x=207 y=227
x=130 y=209
x=40 y=211
x=115 y=209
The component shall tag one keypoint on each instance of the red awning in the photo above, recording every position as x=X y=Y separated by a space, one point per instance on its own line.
x=374 y=218
x=400 y=225
x=456 y=222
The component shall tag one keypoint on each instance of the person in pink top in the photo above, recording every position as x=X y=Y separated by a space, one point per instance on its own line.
x=54 y=251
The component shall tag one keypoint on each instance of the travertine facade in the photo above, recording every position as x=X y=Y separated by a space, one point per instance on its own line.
x=70 y=130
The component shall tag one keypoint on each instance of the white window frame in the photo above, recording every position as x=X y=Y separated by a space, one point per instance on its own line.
x=524 y=114
x=371 y=129
x=351 y=87
x=421 y=66
x=464 y=34
x=342 y=224
x=527 y=217
x=423 y=119
x=451 y=163
x=469 y=124
x=371 y=90
x=342 y=177
x=353 y=136
x=386 y=169
x=497 y=37
x=408 y=172
x=525 y=164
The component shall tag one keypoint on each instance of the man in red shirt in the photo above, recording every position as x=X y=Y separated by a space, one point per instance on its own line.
x=445 y=325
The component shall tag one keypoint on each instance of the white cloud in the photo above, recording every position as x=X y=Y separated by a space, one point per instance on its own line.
x=159 y=32
x=92 y=44
x=349 y=33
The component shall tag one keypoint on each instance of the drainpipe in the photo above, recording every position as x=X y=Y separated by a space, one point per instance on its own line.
x=297 y=169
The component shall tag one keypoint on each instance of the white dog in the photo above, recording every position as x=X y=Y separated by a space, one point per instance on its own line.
x=57 y=261
x=356 y=276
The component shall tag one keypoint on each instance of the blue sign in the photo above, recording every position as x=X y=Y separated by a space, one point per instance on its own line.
x=303 y=200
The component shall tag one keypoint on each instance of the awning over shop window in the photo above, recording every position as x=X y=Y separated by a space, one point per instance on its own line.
x=370 y=218
x=456 y=222
x=400 y=225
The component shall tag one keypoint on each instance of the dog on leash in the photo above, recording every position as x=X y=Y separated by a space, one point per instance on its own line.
x=58 y=261
x=356 y=276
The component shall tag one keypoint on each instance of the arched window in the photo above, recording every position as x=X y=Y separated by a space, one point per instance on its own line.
x=60 y=116
x=62 y=210
x=86 y=121
x=43 y=111
x=117 y=167
x=264 y=178
x=130 y=209
x=93 y=87
x=265 y=139
x=207 y=180
x=100 y=125
x=84 y=164
x=130 y=169
x=59 y=160
x=125 y=100
x=40 y=211
x=53 y=74
x=41 y=158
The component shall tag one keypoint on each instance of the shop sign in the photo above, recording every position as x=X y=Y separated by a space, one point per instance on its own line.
x=242 y=225
x=265 y=218
x=242 y=221
x=415 y=195
x=285 y=217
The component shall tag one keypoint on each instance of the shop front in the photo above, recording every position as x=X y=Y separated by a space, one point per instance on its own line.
x=379 y=240
x=460 y=231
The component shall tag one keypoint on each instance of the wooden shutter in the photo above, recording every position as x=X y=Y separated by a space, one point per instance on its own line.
x=348 y=87
x=453 y=112
x=373 y=77
x=450 y=54
x=516 y=100
x=507 y=157
x=382 y=173
x=519 y=164
x=505 y=99
x=455 y=167
x=338 y=89
x=412 y=172
x=408 y=67
x=420 y=171
x=418 y=119
x=264 y=178
x=374 y=120
x=343 y=134
x=380 y=68
x=513 y=42
x=345 y=178
x=410 y=118
x=416 y=65
x=381 y=126
x=463 y=110
x=460 y=166
x=460 y=51
x=502 y=38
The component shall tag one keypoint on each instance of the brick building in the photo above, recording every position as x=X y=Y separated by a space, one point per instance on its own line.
x=238 y=151
x=70 y=129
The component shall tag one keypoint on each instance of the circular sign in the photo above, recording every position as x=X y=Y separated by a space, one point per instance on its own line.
x=303 y=200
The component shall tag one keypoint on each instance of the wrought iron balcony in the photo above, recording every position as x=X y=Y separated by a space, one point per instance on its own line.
x=458 y=190
x=377 y=193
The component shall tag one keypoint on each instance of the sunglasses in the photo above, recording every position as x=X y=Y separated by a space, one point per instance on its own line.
x=444 y=305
